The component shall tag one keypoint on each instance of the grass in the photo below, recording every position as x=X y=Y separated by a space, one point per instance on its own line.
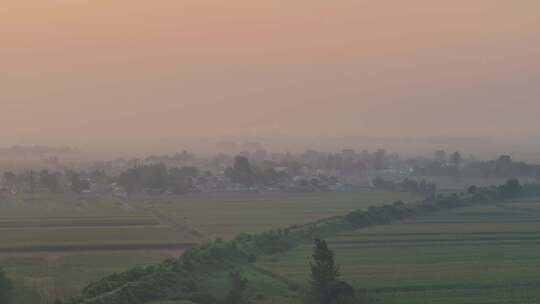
x=477 y=261
x=95 y=235
x=72 y=221
x=478 y=254
x=228 y=214
x=96 y=221
x=42 y=278
x=65 y=205
x=269 y=288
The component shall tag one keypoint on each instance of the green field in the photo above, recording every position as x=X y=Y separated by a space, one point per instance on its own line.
x=65 y=205
x=40 y=278
x=478 y=254
x=44 y=238
x=228 y=214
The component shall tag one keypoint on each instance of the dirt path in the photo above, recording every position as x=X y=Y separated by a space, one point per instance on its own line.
x=166 y=220
x=175 y=224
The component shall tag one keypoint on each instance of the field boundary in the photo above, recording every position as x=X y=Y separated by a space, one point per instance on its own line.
x=93 y=247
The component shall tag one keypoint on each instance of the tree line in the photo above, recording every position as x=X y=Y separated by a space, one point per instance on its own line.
x=503 y=167
x=407 y=185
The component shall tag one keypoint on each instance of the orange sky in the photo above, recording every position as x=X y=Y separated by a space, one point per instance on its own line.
x=90 y=70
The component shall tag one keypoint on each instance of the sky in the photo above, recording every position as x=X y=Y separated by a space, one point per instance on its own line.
x=95 y=71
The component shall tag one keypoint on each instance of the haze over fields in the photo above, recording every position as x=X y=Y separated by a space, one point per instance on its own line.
x=269 y=151
x=89 y=72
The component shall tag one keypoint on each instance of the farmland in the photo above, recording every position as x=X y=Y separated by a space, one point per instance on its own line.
x=53 y=245
x=484 y=253
x=477 y=254
x=226 y=215
x=42 y=276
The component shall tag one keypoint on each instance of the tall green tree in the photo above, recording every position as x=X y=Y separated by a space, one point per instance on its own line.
x=51 y=181
x=32 y=182
x=456 y=159
x=323 y=268
x=238 y=287
x=326 y=288
x=76 y=184
x=512 y=188
x=242 y=172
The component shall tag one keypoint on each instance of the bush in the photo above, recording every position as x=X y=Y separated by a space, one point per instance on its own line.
x=238 y=287
x=203 y=298
x=6 y=288
x=116 y=280
x=293 y=286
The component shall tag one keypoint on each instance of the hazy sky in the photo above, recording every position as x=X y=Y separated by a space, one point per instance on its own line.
x=87 y=70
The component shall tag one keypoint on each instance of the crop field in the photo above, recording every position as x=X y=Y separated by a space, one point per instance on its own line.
x=43 y=276
x=53 y=245
x=478 y=254
x=226 y=215
x=63 y=222
x=65 y=205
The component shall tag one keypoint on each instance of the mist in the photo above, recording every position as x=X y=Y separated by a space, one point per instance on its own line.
x=117 y=74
